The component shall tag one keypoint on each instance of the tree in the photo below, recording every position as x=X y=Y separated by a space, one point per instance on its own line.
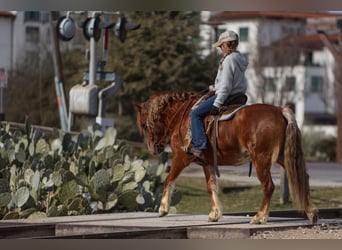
x=29 y=92
x=162 y=55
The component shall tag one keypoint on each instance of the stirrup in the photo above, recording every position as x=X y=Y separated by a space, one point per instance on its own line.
x=196 y=152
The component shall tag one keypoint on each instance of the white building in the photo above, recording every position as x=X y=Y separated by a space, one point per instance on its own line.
x=288 y=63
x=29 y=37
x=6 y=39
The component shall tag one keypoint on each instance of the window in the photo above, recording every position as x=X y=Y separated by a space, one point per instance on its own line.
x=45 y=17
x=308 y=58
x=244 y=34
x=270 y=85
x=32 y=34
x=316 y=84
x=290 y=83
x=32 y=16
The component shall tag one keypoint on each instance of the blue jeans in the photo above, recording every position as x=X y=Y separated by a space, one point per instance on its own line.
x=199 y=137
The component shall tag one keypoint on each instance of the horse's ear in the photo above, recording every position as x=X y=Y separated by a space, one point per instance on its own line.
x=137 y=107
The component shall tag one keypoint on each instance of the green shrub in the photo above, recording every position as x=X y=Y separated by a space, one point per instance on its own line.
x=61 y=174
x=318 y=147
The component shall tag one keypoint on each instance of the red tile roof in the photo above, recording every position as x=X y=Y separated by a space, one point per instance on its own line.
x=6 y=13
x=306 y=41
x=226 y=15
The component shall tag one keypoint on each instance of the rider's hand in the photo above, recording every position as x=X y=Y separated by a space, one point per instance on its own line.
x=214 y=110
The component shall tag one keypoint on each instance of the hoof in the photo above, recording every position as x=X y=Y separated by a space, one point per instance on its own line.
x=313 y=216
x=258 y=221
x=314 y=219
x=213 y=219
x=163 y=213
x=214 y=216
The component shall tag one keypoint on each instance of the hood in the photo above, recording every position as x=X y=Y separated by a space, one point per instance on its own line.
x=241 y=60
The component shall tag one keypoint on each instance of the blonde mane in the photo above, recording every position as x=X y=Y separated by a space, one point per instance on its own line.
x=160 y=100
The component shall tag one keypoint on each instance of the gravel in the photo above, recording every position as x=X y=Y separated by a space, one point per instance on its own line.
x=319 y=231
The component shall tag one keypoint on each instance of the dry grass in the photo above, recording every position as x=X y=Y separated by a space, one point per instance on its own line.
x=195 y=198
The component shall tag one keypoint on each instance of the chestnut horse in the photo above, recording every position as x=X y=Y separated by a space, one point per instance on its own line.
x=259 y=133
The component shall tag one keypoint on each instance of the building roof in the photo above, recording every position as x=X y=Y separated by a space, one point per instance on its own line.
x=310 y=42
x=9 y=14
x=228 y=15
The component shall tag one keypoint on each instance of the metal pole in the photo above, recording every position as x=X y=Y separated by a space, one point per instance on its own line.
x=1 y=101
x=105 y=42
x=284 y=187
x=92 y=62
x=3 y=83
x=57 y=62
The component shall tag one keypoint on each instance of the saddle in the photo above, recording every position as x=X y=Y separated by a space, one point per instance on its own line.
x=236 y=99
x=232 y=103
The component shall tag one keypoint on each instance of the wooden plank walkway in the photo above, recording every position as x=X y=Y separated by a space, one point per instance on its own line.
x=146 y=225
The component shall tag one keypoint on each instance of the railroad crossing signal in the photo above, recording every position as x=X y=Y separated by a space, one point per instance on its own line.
x=87 y=98
x=92 y=26
x=122 y=26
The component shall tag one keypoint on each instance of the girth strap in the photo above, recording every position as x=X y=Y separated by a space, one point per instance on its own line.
x=215 y=133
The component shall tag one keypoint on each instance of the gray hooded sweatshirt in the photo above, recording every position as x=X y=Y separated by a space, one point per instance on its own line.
x=231 y=78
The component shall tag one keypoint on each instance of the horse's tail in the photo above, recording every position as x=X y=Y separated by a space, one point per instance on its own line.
x=295 y=163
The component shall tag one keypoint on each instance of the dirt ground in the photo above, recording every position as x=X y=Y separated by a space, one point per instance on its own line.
x=319 y=231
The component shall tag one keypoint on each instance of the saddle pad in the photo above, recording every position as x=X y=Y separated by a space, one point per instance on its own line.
x=227 y=115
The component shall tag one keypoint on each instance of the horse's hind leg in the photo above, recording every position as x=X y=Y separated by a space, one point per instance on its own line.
x=216 y=210
x=264 y=176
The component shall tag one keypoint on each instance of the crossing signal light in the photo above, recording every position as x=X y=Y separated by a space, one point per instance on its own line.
x=122 y=26
x=66 y=28
x=91 y=28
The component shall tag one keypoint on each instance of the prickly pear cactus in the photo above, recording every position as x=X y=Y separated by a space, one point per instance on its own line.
x=60 y=174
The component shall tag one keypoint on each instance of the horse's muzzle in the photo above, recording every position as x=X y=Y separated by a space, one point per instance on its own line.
x=158 y=148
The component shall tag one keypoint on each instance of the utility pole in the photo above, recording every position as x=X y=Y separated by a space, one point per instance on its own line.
x=339 y=113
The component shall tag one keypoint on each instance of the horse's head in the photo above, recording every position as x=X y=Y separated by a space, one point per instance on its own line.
x=154 y=129
x=161 y=112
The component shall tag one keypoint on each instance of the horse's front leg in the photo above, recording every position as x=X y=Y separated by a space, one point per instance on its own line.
x=178 y=164
x=212 y=186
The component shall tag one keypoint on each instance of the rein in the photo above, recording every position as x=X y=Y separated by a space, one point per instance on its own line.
x=179 y=128
x=183 y=115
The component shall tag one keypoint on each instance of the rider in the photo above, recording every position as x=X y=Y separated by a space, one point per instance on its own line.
x=230 y=80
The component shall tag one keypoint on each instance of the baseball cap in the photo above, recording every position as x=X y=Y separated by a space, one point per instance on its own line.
x=226 y=37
